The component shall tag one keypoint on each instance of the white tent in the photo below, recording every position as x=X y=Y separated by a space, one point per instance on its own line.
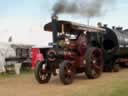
x=5 y=51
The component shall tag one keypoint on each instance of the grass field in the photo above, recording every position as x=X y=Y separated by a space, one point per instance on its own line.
x=121 y=89
x=12 y=74
x=117 y=88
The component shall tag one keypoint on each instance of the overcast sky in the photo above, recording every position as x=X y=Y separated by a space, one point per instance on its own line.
x=24 y=19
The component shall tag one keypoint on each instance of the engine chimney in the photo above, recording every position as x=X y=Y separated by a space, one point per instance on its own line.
x=55 y=29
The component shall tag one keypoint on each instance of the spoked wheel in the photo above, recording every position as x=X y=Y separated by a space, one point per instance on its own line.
x=94 y=59
x=66 y=73
x=42 y=74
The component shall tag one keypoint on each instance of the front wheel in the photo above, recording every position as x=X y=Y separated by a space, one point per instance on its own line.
x=66 y=73
x=94 y=59
x=42 y=74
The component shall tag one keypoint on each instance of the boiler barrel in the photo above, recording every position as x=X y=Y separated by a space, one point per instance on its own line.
x=123 y=43
x=115 y=40
x=122 y=37
x=110 y=41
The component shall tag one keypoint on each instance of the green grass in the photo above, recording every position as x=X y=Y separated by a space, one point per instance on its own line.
x=117 y=88
x=24 y=71
x=6 y=75
x=121 y=90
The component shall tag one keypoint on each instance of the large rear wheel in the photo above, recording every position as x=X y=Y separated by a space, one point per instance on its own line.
x=94 y=59
x=42 y=74
x=66 y=73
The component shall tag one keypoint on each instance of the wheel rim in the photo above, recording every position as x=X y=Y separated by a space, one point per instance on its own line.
x=96 y=62
x=43 y=72
x=68 y=73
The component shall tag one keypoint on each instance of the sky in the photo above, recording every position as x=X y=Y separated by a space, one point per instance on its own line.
x=24 y=19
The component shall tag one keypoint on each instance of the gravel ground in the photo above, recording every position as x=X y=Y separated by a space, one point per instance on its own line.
x=26 y=85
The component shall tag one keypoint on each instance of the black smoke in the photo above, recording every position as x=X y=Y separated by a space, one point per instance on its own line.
x=89 y=8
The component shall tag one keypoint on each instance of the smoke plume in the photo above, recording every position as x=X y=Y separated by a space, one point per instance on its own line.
x=89 y=8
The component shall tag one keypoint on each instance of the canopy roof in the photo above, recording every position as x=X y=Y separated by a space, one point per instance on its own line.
x=72 y=27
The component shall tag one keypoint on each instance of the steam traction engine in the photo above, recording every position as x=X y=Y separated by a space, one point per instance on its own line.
x=76 y=48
